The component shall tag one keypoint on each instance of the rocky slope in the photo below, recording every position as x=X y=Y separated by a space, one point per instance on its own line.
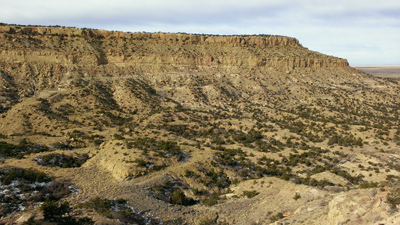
x=197 y=129
x=48 y=56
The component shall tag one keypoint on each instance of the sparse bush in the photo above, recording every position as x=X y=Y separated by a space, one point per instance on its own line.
x=276 y=217
x=393 y=199
x=189 y=173
x=251 y=194
x=165 y=149
x=23 y=148
x=210 y=201
x=35 y=186
x=118 y=137
x=169 y=190
x=297 y=196
x=179 y=198
x=117 y=209
x=56 y=212
x=199 y=192
x=140 y=162
x=368 y=185
x=100 y=205
x=61 y=160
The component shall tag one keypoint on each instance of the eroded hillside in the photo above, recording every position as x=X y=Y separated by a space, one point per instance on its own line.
x=156 y=128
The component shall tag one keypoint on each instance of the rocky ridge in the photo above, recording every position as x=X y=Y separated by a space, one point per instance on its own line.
x=138 y=48
x=64 y=49
x=39 y=58
x=200 y=129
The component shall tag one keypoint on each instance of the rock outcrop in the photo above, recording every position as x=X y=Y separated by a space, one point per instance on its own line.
x=36 y=58
x=72 y=46
x=358 y=207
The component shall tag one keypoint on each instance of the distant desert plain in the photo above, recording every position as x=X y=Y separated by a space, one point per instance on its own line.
x=381 y=71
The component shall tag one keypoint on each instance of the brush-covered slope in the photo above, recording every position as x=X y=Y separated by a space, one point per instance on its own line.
x=193 y=129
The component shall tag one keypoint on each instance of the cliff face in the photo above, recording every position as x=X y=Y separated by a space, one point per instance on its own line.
x=36 y=58
x=72 y=46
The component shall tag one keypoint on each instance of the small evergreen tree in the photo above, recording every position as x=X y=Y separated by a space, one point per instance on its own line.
x=54 y=211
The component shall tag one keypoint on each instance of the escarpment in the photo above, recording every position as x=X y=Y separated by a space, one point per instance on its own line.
x=154 y=51
x=33 y=59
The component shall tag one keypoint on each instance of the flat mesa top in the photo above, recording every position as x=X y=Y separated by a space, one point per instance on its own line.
x=392 y=71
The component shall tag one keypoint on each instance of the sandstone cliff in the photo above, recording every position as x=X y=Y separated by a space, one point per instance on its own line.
x=36 y=58
x=144 y=50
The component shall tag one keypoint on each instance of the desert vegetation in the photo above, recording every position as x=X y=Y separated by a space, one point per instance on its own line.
x=157 y=128
x=22 y=188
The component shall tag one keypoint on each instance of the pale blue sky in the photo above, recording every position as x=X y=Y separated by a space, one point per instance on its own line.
x=364 y=32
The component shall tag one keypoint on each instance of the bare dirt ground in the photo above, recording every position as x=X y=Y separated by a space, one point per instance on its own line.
x=381 y=71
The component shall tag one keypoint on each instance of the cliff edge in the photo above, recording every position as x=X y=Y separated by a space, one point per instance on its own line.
x=99 y=47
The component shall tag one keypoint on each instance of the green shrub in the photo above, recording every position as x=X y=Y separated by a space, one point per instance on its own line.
x=140 y=162
x=393 y=199
x=276 y=217
x=23 y=148
x=199 y=192
x=251 y=194
x=29 y=175
x=117 y=209
x=118 y=137
x=61 y=160
x=208 y=221
x=100 y=205
x=297 y=196
x=179 y=198
x=170 y=190
x=55 y=211
x=189 y=173
x=35 y=186
x=212 y=200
